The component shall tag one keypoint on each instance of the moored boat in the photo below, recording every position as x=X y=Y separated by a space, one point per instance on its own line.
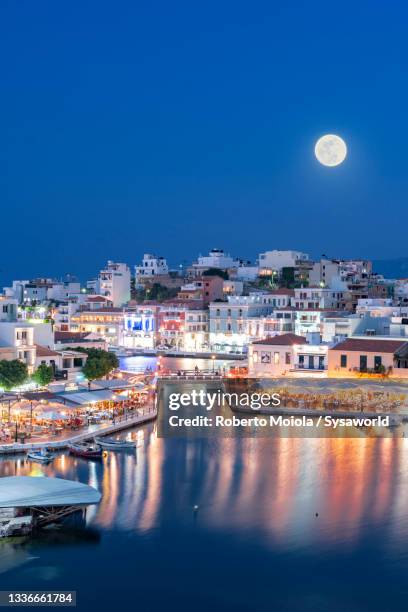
x=112 y=444
x=88 y=451
x=42 y=456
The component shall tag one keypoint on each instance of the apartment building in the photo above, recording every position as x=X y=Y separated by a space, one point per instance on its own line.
x=229 y=331
x=151 y=267
x=114 y=283
x=105 y=323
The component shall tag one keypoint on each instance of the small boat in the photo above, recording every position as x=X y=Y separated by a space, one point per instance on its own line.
x=42 y=456
x=88 y=451
x=112 y=444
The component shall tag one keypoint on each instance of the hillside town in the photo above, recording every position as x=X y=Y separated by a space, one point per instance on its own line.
x=284 y=315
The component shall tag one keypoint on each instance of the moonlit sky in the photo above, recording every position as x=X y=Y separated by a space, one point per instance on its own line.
x=175 y=127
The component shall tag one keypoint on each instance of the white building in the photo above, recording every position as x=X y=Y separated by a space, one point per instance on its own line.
x=151 y=266
x=8 y=308
x=336 y=327
x=64 y=290
x=401 y=289
x=18 y=338
x=274 y=261
x=324 y=271
x=287 y=355
x=229 y=321
x=196 y=330
x=16 y=290
x=140 y=327
x=246 y=272
x=376 y=307
x=399 y=326
x=216 y=258
x=114 y=283
x=319 y=297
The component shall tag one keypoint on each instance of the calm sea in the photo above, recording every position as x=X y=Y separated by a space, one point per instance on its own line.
x=281 y=524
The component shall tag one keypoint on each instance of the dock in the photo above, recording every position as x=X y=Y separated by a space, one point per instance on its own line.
x=28 y=502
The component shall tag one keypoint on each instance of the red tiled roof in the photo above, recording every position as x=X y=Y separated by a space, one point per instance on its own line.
x=44 y=351
x=282 y=340
x=282 y=291
x=369 y=345
x=97 y=298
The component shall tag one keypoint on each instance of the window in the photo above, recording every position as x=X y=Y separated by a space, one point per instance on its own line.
x=265 y=357
x=287 y=358
x=229 y=312
x=5 y=308
x=343 y=361
x=276 y=358
x=217 y=312
x=377 y=362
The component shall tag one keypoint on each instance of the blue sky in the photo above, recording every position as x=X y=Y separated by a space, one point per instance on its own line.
x=176 y=127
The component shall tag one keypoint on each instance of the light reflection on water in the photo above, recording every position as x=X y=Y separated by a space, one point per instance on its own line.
x=273 y=486
x=257 y=503
x=174 y=364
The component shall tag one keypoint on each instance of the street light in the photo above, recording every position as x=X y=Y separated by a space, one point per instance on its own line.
x=213 y=360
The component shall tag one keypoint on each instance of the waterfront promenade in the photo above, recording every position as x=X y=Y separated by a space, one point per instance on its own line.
x=142 y=415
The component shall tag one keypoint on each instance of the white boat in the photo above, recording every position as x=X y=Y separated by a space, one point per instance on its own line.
x=42 y=456
x=112 y=444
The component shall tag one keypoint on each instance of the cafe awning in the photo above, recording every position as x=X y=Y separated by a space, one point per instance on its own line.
x=84 y=398
x=51 y=415
x=115 y=384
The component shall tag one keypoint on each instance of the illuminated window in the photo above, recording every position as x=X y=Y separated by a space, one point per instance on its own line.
x=276 y=358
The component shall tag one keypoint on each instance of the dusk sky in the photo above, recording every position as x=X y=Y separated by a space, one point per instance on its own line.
x=175 y=127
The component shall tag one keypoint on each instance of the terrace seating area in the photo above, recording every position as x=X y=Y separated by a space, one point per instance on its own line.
x=34 y=421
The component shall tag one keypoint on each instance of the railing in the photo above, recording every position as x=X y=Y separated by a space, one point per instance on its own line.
x=191 y=375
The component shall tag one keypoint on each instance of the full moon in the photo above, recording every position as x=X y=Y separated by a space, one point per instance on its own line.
x=330 y=150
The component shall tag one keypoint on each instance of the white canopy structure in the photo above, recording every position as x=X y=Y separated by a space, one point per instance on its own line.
x=115 y=384
x=84 y=398
x=30 y=491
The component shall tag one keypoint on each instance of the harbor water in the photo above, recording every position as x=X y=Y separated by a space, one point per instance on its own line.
x=261 y=523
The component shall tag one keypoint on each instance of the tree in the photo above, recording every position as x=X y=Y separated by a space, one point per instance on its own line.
x=288 y=277
x=99 y=363
x=43 y=375
x=216 y=272
x=12 y=373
